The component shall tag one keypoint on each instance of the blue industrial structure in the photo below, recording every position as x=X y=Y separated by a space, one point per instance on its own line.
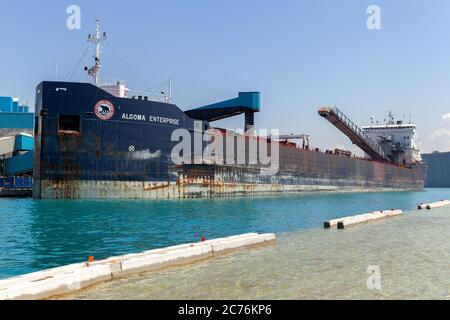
x=24 y=143
x=16 y=149
x=9 y=104
x=16 y=183
x=13 y=115
x=21 y=120
x=20 y=164
x=247 y=102
x=16 y=155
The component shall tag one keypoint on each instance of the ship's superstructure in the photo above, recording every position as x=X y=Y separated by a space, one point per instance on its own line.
x=98 y=141
x=399 y=140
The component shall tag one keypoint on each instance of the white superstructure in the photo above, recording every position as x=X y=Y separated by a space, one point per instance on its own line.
x=118 y=89
x=398 y=140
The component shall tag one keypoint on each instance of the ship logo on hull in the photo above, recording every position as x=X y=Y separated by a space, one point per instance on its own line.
x=104 y=110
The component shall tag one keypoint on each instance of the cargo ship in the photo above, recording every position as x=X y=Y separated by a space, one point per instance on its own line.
x=99 y=141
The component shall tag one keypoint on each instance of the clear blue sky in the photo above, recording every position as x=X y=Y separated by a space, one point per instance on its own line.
x=299 y=54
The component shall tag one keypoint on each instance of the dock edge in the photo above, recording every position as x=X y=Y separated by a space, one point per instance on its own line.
x=68 y=279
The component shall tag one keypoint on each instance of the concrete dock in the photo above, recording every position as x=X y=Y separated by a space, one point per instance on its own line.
x=434 y=205
x=67 y=279
x=343 y=223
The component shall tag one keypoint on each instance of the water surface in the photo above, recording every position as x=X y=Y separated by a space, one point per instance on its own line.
x=36 y=235
x=411 y=252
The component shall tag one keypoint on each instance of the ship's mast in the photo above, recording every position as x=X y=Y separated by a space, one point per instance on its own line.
x=390 y=118
x=97 y=39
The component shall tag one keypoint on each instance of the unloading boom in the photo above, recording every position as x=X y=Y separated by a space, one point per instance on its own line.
x=356 y=134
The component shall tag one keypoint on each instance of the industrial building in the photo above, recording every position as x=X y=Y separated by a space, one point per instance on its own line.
x=15 y=118
x=438 y=174
x=16 y=147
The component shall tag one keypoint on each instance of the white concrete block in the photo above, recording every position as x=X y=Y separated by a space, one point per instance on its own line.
x=437 y=205
x=346 y=222
x=161 y=259
x=235 y=243
x=63 y=280
x=361 y=218
x=43 y=285
x=434 y=205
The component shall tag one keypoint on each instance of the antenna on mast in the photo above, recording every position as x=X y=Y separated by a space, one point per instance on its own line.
x=390 y=118
x=96 y=39
x=170 y=90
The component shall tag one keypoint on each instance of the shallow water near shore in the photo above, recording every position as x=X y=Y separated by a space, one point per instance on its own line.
x=412 y=253
x=37 y=235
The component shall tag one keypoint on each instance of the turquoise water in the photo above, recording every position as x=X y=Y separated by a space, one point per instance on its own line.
x=411 y=252
x=36 y=235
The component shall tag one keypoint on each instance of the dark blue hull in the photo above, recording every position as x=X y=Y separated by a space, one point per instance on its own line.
x=90 y=144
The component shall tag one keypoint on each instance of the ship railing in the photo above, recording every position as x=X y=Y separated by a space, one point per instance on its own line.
x=139 y=95
x=359 y=132
x=152 y=94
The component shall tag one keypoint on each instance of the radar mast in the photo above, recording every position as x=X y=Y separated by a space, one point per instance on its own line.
x=97 y=38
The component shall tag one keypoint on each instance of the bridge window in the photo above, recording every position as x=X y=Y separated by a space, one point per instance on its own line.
x=69 y=124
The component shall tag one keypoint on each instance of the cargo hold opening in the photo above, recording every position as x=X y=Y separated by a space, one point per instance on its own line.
x=69 y=124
